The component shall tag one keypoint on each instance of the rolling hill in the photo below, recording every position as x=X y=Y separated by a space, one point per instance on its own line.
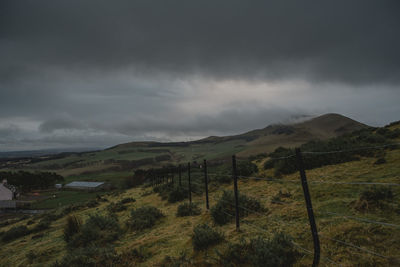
x=128 y=156
x=356 y=206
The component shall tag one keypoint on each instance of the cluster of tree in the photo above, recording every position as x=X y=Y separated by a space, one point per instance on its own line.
x=27 y=181
x=351 y=144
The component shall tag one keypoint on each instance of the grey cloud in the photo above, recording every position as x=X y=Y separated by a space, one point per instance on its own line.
x=339 y=41
x=101 y=72
x=52 y=125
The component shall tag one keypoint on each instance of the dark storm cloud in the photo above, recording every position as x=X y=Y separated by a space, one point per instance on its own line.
x=339 y=41
x=104 y=72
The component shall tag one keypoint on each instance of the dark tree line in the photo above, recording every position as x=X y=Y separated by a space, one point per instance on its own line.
x=27 y=181
x=350 y=143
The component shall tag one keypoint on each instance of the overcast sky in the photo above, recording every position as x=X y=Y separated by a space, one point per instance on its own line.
x=98 y=73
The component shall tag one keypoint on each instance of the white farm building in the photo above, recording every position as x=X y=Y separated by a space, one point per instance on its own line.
x=88 y=186
x=7 y=194
x=6 y=191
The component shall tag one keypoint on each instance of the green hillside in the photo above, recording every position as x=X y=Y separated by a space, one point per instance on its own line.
x=356 y=204
x=127 y=157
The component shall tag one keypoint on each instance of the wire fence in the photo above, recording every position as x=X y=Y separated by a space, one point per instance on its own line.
x=201 y=176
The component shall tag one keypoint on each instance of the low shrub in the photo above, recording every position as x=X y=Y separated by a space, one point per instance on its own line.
x=127 y=200
x=42 y=225
x=136 y=255
x=278 y=198
x=92 y=203
x=278 y=251
x=180 y=261
x=380 y=161
x=144 y=217
x=177 y=194
x=100 y=198
x=226 y=205
x=204 y=236
x=223 y=178
x=73 y=207
x=188 y=209
x=246 y=168
x=71 y=228
x=31 y=256
x=89 y=257
x=37 y=236
x=374 y=197
x=116 y=207
x=97 y=230
x=14 y=233
x=163 y=190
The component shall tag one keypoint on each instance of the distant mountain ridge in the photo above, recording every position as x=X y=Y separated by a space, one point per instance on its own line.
x=321 y=127
x=142 y=154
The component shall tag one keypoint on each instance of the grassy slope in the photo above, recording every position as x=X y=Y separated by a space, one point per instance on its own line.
x=172 y=235
x=258 y=141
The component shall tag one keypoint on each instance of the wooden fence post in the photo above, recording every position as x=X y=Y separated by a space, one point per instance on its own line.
x=180 y=175
x=206 y=183
x=235 y=187
x=190 y=186
x=310 y=211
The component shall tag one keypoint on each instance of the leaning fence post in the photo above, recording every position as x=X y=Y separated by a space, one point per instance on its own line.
x=206 y=183
x=310 y=211
x=235 y=187
x=190 y=186
x=180 y=175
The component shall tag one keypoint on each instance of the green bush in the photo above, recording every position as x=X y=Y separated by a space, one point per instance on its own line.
x=204 y=236
x=180 y=261
x=42 y=225
x=377 y=194
x=131 y=257
x=163 y=190
x=223 y=178
x=144 y=217
x=71 y=228
x=275 y=252
x=92 y=203
x=280 y=197
x=127 y=200
x=177 y=194
x=89 y=257
x=374 y=197
x=97 y=230
x=188 y=209
x=116 y=207
x=14 y=233
x=71 y=208
x=246 y=168
x=31 y=256
x=380 y=161
x=226 y=205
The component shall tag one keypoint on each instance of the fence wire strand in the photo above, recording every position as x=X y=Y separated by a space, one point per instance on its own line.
x=361 y=219
x=356 y=247
x=243 y=208
x=279 y=222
